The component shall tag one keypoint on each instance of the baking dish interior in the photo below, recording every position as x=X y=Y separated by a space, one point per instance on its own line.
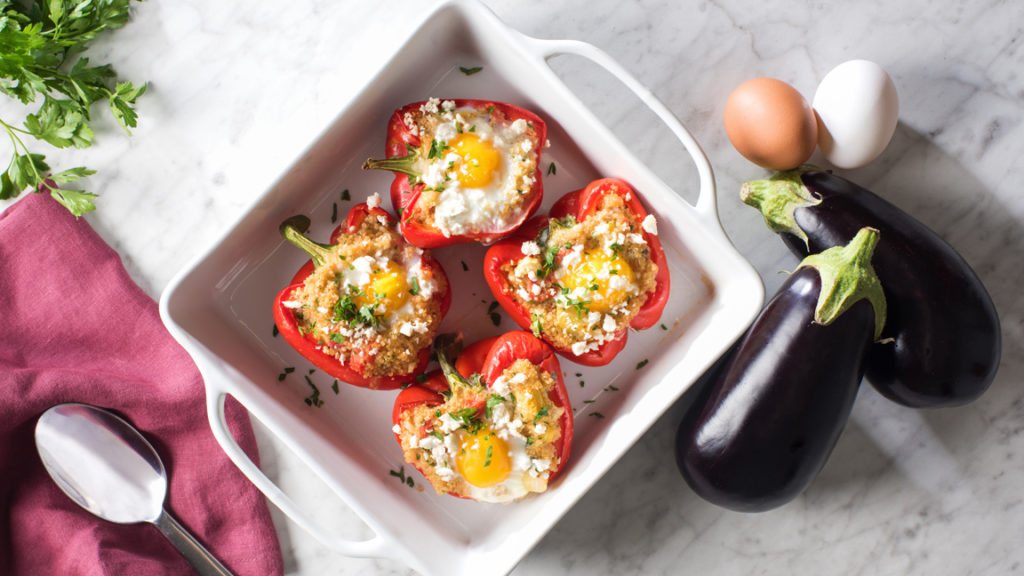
x=223 y=303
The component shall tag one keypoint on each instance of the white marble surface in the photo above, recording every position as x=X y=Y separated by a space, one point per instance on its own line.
x=238 y=89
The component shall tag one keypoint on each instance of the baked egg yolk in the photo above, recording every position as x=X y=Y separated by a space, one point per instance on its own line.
x=594 y=273
x=483 y=459
x=480 y=160
x=388 y=288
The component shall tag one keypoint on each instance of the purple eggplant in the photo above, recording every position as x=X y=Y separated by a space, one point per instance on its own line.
x=942 y=341
x=768 y=419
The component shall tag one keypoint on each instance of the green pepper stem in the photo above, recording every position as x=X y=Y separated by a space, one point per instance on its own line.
x=778 y=197
x=293 y=228
x=404 y=164
x=847 y=276
x=447 y=347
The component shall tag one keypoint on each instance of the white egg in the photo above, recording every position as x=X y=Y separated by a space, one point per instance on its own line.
x=857 y=109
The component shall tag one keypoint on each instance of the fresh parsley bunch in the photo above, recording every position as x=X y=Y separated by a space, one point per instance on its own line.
x=41 y=43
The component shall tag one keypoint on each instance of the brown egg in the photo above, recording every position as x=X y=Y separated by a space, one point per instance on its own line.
x=771 y=124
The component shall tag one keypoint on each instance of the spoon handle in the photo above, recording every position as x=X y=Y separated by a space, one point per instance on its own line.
x=197 y=555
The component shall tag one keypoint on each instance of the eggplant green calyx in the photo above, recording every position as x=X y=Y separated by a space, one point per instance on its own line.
x=847 y=277
x=778 y=198
x=293 y=229
x=403 y=164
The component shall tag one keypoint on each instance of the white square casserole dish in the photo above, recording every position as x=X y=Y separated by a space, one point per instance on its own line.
x=219 y=307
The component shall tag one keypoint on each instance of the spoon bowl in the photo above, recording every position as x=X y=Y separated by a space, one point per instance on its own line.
x=107 y=467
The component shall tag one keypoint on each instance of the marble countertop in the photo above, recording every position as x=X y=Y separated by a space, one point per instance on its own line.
x=239 y=89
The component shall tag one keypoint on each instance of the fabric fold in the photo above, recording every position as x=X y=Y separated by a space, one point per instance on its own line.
x=74 y=327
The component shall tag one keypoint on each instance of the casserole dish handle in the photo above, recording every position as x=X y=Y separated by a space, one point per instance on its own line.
x=706 y=202
x=372 y=548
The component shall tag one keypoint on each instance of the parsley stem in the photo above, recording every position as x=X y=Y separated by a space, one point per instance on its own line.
x=292 y=229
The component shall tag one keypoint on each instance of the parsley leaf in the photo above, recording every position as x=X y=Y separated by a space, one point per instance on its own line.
x=41 y=60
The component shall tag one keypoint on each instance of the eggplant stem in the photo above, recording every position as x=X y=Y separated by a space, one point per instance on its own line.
x=292 y=230
x=847 y=277
x=778 y=197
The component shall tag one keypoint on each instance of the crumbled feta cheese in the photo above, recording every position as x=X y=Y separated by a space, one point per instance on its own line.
x=540 y=429
x=445 y=132
x=448 y=105
x=373 y=201
x=636 y=239
x=609 y=323
x=396 y=429
x=650 y=225
x=448 y=424
x=430 y=106
x=519 y=378
x=573 y=257
x=292 y=304
x=518 y=127
x=579 y=348
x=530 y=248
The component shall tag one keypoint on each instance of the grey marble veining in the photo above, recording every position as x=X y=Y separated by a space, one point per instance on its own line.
x=238 y=89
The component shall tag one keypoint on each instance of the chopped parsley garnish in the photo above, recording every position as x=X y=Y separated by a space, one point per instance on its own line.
x=611 y=388
x=345 y=310
x=493 y=401
x=578 y=304
x=334 y=386
x=470 y=71
x=400 y=474
x=345 y=195
x=334 y=212
x=551 y=169
x=437 y=149
x=642 y=363
x=663 y=327
x=314 y=397
x=415 y=290
x=595 y=414
x=615 y=248
x=535 y=325
x=469 y=419
x=421 y=377
x=276 y=331
x=490 y=452
x=541 y=413
x=464 y=267
x=337 y=338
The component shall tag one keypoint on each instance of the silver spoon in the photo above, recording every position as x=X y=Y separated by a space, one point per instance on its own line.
x=108 y=468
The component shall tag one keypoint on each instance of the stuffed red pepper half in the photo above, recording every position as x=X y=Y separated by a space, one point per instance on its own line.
x=495 y=427
x=582 y=277
x=465 y=170
x=366 y=308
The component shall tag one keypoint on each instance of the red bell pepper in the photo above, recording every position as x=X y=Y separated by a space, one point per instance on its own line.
x=312 y=348
x=580 y=204
x=409 y=152
x=489 y=358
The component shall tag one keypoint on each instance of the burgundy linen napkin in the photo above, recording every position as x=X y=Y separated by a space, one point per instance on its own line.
x=74 y=327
